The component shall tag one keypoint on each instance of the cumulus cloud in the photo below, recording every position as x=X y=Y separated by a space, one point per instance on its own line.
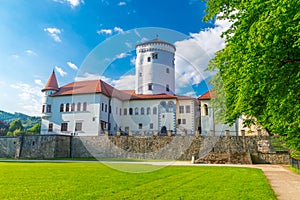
x=110 y=31
x=118 y=30
x=126 y=82
x=60 y=71
x=72 y=65
x=122 y=55
x=105 y=31
x=72 y=3
x=30 y=97
x=193 y=54
x=54 y=33
x=38 y=82
x=122 y=3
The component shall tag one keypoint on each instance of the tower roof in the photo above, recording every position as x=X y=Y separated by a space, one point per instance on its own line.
x=156 y=40
x=51 y=83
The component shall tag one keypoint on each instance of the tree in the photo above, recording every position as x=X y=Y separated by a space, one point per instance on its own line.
x=3 y=128
x=258 y=71
x=36 y=129
x=15 y=128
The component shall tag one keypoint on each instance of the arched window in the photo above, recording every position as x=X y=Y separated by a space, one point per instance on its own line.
x=148 y=111
x=154 y=111
x=73 y=107
x=142 y=111
x=67 y=107
x=136 y=111
x=130 y=111
x=167 y=88
x=163 y=106
x=205 y=109
x=61 y=108
x=78 y=106
x=84 y=106
x=170 y=106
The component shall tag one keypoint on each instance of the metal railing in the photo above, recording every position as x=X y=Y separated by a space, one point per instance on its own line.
x=295 y=163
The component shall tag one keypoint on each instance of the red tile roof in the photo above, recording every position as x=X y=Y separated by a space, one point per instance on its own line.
x=86 y=87
x=206 y=96
x=51 y=83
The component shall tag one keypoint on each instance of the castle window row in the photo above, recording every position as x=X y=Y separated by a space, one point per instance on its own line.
x=73 y=107
x=137 y=111
x=187 y=109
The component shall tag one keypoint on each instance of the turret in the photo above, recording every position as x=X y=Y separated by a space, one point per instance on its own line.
x=50 y=88
x=155 y=69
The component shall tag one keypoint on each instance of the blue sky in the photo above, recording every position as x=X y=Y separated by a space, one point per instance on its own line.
x=90 y=39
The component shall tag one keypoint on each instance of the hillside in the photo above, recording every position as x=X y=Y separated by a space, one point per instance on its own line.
x=26 y=120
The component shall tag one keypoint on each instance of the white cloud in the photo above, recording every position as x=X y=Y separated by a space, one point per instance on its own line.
x=105 y=31
x=54 y=33
x=38 y=82
x=60 y=71
x=30 y=52
x=122 y=3
x=118 y=30
x=72 y=3
x=110 y=31
x=126 y=82
x=192 y=55
x=72 y=65
x=122 y=55
x=29 y=98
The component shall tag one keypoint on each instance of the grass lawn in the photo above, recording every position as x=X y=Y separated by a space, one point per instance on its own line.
x=97 y=181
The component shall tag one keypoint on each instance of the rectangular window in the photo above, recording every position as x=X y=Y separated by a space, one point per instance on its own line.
x=179 y=121
x=43 y=109
x=120 y=111
x=61 y=108
x=64 y=126
x=48 y=109
x=150 y=86
x=78 y=126
x=125 y=111
x=140 y=125
x=151 y=125
x=148 y=111
x=149 y=59
x=183 y=121
x=168 y=70
x=154 y=55
x=167 y=88
x=105 y=107
x=50 y=127
x=188 y=109
x=102 y=106
x=181 y=109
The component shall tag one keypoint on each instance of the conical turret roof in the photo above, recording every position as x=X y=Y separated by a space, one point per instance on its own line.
x=51 y=83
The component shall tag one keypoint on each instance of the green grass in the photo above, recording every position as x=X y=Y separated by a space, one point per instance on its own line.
x=97 y=181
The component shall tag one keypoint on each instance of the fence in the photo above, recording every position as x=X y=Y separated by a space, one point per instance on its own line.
x=295 y=164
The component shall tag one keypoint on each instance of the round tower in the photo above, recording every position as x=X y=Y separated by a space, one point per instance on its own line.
x=50 y=88
x=155 y=69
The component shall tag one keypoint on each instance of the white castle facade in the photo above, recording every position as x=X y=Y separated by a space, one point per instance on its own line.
x=93 y=107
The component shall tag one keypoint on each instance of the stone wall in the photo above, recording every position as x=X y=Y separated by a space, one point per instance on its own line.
x=35 y=146
x=154 y=147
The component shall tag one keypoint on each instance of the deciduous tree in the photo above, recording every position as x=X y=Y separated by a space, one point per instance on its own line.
x=258 y=72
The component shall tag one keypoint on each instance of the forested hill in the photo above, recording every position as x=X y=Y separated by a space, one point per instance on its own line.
x=26 y=120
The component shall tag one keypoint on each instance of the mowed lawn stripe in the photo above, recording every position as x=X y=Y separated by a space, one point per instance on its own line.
x=97 y=181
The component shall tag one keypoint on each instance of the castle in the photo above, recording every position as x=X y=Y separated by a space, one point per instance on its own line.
x=93 y=107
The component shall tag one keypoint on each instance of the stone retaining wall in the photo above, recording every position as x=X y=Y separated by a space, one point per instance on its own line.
x=154 y=147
